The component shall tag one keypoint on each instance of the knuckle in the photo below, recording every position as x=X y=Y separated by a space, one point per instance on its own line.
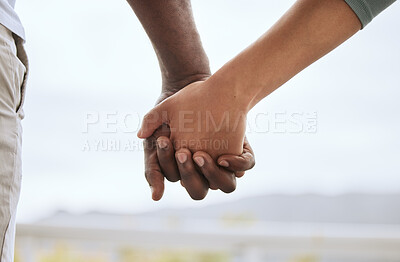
x=211 y=174
x=151 y=172
x=148 y=175
x=188 y=174
x=147 y=117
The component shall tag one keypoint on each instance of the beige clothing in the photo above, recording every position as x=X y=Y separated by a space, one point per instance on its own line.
x=13 y=73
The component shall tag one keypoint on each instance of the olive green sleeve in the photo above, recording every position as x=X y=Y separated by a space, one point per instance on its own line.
x=366 y=10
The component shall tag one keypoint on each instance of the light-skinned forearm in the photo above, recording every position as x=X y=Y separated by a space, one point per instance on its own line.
x=308 y=31
x=172 y=31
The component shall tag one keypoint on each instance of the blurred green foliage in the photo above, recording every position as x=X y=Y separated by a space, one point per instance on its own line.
x=238 y=219
x=63 y=253
x=129 y=255
x=306 y=258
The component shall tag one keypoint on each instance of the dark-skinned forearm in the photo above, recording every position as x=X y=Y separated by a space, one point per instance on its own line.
x=171 y=28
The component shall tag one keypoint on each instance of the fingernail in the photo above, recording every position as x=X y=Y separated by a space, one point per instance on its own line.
x=162 y=144
x=224 y=163
x=139 y=134
x=182 y=157
x=199 y=161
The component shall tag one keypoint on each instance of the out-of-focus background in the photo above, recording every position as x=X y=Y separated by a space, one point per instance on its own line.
x=326 y=186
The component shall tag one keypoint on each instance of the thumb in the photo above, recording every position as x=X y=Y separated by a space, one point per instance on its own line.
x=151 y=121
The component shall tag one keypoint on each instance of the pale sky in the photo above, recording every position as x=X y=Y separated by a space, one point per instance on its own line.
x=93 y=57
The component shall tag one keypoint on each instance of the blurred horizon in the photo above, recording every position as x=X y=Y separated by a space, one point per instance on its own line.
x=299 y=228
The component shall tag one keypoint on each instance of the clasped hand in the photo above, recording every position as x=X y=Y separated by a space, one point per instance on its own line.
x=207 y=131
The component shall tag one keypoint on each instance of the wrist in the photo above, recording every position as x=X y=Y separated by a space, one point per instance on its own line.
x=230 y=90
x=175 y=83
x=227 y=94
x=172 y=85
